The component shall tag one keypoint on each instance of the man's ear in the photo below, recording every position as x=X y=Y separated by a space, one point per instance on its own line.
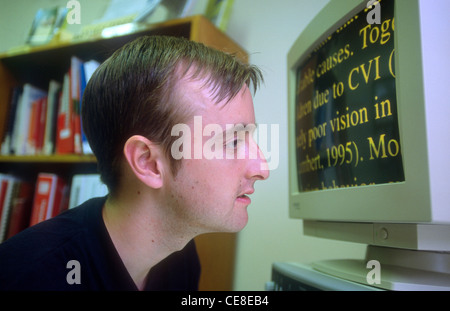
x=145 y=160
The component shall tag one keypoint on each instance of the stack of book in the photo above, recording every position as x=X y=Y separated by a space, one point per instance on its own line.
x=48 y=121
x=22 y=205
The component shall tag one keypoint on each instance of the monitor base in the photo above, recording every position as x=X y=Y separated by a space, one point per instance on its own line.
x=394 y=269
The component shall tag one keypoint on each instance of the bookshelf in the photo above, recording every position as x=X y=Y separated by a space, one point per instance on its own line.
x=38 y=65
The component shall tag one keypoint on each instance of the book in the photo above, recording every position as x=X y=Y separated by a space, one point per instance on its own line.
x=4 y=189
x=54 y=89
x=75 y=91
x=218 y=12
x=36 y=127
x=50 y=197
x=46 y=24
x=85 y=187
x=22 y=118
x=87 y=70
x=20 y=209
x=64 y=126
x=7 y=147
x=10 y=183
x=40 y=130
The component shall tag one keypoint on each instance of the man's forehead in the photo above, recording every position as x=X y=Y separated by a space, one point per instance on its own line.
x=200 y=95
x=207 y=83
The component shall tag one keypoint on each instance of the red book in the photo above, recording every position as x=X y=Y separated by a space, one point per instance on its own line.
x=49 y=197
x=40 y=131
x=64 y=127
x=33 y=125
x=3 y=186
x=35 y=138
x=21 y=209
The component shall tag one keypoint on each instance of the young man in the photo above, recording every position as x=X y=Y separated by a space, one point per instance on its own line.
x=166 y=185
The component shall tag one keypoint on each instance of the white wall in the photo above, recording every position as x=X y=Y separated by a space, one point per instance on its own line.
x=266 y=29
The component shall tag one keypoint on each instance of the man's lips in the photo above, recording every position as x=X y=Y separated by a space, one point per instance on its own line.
x=243 y=198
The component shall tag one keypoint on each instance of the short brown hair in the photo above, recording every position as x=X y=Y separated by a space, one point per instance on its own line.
x=131 y=93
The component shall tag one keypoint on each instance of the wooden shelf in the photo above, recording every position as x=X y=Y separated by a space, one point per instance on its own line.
x=196 y=28
x=70 y=158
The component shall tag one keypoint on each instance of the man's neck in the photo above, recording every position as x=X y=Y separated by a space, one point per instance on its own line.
x=141 y=235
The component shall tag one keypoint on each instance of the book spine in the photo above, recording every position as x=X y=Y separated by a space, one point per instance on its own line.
x=42 y=198
x=33 y=128
x=6 y=147
x=31 y=95
x=50 y=198
x=40 y=132
x=86 y=71
x=64 y=138
x=51 y=117
x=7 y=205
x=21 y=209
x=60 y=200
x=75 y=82
x=85 y=187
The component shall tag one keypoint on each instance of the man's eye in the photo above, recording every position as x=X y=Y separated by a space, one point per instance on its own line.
x=236 y=142
x=233 y=144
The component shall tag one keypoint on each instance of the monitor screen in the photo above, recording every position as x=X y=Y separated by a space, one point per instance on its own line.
x=368 y=131
x=347 y=131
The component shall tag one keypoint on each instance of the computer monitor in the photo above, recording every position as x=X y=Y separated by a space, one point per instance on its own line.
x=369 y=127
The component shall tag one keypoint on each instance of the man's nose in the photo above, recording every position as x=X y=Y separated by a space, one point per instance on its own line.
x=259 y=168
